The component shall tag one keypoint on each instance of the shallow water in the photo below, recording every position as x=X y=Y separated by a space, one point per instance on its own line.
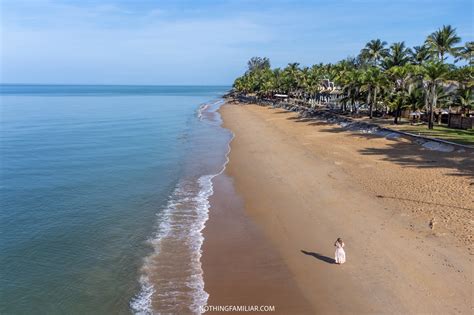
x=91 y=178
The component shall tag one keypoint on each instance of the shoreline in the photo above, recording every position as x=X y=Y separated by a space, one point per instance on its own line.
x=295 y=187
x=241 y=267
x=174 y=264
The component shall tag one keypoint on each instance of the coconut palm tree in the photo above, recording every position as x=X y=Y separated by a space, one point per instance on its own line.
x=464 y=76
x=433 y=73
x=278 y=80
x=401 y=77
x=372 y=79
x=420 y=54
x=352 y=83
x=415 y=98
x=388 y=74
x=291 y=77
x=466 y=53
x=239 y=84
x=346 y=77
x=398 y=55
x=303 y=80
x=367 y=85
x=374 y=51
x=443 y=41
x=266 y=82
x=465 y=99
x=315 y=76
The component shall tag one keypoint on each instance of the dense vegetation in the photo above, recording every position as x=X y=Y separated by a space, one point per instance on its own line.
x=381 y=79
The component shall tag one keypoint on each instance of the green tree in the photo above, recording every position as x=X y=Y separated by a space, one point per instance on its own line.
x=278 y=79
x=415 y=98
x=466 y=53
x=344 y=74
x=443 y=41
x=374 y=51
x=315 y=77
x=433 y=74
x=291 y=78
x=401 y=77
x=465 y=99
x=398 y=55
x=420 y=54
x=372 y=80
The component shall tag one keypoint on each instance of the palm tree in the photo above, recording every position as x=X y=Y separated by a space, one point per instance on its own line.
x=303 y=79
x=367 y=82
x=373 y=79
x=266 y=82
x=434 y=74
x=419 y=54
x=415 y=98
x=344 y=76
x=465 y=99
x=397 y=56
x=443 y=41
x=464 y=76
x=374 y=51
x=466 y=53
x=378 y=72
x=314 y=80
x=402 y=79
x=278 y=79
x=239 y=84
x=291 y=75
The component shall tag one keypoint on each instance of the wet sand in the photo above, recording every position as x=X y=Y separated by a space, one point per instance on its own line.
x=241 y=267
x=305 y=183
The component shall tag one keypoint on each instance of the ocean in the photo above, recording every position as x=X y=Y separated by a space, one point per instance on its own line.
x=103 y=196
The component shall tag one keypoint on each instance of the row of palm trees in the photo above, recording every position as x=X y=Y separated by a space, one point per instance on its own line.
x=384 y=79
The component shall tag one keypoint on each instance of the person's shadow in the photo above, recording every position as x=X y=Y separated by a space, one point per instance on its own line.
x=320 y=257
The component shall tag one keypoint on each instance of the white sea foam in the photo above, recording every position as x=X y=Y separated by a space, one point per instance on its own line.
x=141 y=303
x=210 y=107
x=191 y=207
x=201 y=109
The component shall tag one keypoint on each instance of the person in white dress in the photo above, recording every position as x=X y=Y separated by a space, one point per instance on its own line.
x=340 y=256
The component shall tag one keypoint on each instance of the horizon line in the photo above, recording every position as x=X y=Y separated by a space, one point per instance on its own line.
x=111 y=84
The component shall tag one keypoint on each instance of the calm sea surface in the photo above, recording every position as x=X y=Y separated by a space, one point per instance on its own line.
x=103 y=196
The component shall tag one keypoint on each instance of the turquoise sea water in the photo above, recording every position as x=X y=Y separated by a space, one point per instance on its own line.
x=90 y=176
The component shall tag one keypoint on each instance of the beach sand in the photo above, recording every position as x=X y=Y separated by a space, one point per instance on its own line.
x=301 y=183
x=241 y=266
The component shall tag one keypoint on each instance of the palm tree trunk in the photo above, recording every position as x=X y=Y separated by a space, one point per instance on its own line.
x=430 y=116
x=371 y=106
x=349 y=96
x=368 y=97
x=431 y=106
x=397 y=112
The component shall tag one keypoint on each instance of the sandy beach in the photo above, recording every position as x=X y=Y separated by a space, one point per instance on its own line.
x=295 y=185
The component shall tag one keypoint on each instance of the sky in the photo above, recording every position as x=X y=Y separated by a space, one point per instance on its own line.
x=201 y=42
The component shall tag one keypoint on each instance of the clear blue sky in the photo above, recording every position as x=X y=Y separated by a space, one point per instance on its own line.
x=201 y=42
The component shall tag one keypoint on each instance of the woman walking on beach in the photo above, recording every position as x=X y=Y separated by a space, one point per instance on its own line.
x=340 y=255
